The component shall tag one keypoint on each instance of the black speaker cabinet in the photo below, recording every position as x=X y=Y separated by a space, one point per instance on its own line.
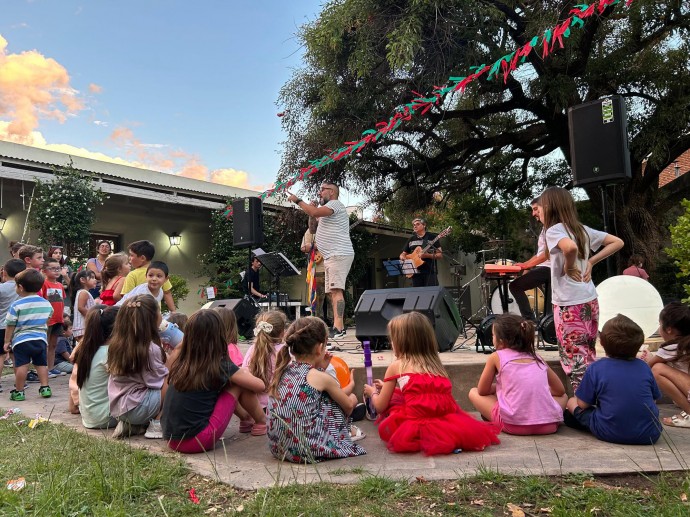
x=248 y=222
x=377 y=307
x=245 y=312
x=599 y=142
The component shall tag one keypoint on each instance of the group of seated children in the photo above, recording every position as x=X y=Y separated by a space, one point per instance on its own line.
x=284 y=386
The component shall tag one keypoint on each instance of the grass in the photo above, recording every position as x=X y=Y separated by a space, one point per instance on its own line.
x=70 y=473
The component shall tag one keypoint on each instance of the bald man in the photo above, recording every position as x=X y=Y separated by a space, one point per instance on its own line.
x=333 y=241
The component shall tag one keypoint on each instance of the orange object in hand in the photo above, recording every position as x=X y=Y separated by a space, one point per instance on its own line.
x=342 y=371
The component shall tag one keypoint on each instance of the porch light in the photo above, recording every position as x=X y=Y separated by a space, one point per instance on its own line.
x=175 y=239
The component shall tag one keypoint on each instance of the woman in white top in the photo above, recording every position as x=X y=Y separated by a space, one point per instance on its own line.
x=574 y=297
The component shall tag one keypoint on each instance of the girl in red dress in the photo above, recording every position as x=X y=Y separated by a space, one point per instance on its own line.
x=415 y=400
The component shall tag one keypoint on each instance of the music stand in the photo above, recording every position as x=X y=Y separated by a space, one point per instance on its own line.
x=278 y=265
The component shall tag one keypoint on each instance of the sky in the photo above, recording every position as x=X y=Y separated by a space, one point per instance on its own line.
x=182 y=87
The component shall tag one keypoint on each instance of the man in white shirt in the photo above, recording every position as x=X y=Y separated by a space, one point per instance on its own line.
x=334 y=244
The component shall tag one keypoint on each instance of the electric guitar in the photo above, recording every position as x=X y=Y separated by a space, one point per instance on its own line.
x=416 y=255
x=318 y=258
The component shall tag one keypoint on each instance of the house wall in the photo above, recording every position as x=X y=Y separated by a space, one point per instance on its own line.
x=677 y=168
x=132 y=219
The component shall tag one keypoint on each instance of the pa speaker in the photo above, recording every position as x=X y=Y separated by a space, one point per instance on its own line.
x=245 y=312
x=599 y=142
x=377 y=307
x=248 y=222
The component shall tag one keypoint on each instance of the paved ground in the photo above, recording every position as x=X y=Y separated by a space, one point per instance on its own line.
x=244 y=461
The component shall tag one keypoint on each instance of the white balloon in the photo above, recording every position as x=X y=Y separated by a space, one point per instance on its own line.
x=633 y=297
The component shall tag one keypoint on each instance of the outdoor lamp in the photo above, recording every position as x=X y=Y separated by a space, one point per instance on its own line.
x=2 y=222
x=175 y=239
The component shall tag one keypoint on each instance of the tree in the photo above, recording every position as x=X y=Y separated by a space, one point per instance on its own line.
x=64 y=210
x=496 y=144
x=680 y=249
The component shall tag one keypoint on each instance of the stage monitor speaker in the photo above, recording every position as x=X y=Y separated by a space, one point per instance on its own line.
x=599 y=142
x=245 y=312
x=248 y=222
x=377 y=307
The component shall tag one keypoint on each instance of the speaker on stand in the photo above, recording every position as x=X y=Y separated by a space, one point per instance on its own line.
x=247 y=222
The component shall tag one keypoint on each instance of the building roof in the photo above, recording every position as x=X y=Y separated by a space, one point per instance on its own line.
x=21 y=157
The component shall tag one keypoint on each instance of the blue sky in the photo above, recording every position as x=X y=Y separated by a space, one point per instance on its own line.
x=192 y=79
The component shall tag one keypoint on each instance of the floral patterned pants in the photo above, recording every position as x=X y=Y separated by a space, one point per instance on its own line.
x=576 y=330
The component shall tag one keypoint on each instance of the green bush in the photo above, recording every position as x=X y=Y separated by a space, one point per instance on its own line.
x=680 y=246
x=180 y=289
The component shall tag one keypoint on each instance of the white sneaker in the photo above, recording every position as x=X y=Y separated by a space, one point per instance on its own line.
x=154 y=431
x=122 y=430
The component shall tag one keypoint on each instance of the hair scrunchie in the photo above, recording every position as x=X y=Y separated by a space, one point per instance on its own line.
x=263 y=326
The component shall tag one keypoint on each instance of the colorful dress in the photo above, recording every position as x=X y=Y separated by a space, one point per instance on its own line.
x=423 y=416
x=107 y=294
x=304 y=424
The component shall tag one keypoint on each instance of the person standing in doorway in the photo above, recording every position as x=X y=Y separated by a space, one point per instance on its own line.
x=334 y=244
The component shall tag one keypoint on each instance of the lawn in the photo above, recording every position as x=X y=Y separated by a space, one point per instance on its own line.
x=70 y=473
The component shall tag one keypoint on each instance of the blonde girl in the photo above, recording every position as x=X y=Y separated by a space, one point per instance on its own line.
x=260 y=359
x=574 y=297
x=415 y=400
x=204 y=388
x=113 y=275
x=136 y=362
x=527 y=397
x=308 y=412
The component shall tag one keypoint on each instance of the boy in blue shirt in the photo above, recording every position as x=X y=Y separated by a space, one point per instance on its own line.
x=26 y=332
x=616 y=399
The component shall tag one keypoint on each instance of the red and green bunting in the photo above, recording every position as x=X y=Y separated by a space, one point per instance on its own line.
x=420 y=104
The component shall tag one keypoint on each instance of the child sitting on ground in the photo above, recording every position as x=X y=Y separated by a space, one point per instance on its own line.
x=136 y=362
x=260 y=359
x=27 y=333
x=308 y=411
x=204 y=388
x=179 y=319
x=63 y=349
x=229 y=320
x=671 y=363
x=140 y=256
x=528 y=397
x=91 y=368
x=415 y=400
x=616 y=399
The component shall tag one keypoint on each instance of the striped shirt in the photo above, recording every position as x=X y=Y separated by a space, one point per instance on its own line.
x=29 y=316
x=333 y=232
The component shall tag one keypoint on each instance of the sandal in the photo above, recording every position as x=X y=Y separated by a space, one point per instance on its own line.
x=356 y=433
x=680 y=420
x=259 y=429
x=246 y=426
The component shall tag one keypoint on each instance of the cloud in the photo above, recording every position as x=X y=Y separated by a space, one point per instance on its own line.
x=94 y=88
x=100 y=123
x=33 y=87
x=21 y=25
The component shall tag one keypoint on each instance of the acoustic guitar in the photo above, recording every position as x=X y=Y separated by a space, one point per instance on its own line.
x=318 y=258
x=416 y=255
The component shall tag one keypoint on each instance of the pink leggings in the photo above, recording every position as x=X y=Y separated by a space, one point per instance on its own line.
x=522 y=430
x=217 y=424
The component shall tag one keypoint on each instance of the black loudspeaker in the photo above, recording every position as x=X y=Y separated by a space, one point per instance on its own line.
x=599 y=142
x=377 y=307
x=248 y=222
x=245 y=312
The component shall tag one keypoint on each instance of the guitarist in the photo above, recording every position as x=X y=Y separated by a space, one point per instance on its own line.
x=333 y=241
x=426 y=273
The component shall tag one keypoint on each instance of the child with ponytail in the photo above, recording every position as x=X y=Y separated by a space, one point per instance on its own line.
x=308 y=412
x=528 y=397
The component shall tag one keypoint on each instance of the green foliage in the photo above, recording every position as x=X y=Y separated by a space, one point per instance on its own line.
x=64 y=210
x=223 y=263
x=680 y=248
x=180 y=289
x=498 y=143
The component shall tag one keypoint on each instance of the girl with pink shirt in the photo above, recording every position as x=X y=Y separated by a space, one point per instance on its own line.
x=261 y=357
x=527 y=398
